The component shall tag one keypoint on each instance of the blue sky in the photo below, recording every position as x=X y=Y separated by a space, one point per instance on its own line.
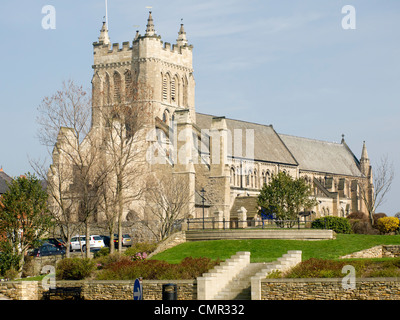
x=285 y=63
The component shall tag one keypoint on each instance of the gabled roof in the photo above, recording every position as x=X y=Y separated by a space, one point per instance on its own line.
x=268 y=146
x=307 y=154
x=322 y=156
x=4 y=178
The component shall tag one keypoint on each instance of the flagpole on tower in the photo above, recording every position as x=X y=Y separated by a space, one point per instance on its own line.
x=107 y=15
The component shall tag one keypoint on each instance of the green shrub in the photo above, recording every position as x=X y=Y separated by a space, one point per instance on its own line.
x=105 y=251
x=337 y=224
x=74 y=268
x=8 y=260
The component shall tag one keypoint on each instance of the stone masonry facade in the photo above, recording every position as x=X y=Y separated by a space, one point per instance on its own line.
x=230 y=159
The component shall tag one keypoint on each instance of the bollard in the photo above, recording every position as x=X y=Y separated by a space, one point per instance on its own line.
x=169 y=292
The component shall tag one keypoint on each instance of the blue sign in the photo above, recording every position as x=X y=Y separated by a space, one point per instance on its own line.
x=137 y=290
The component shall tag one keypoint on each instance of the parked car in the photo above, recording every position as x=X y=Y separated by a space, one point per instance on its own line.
x=47 y=249
x=59 y=243
x=126 y=240
x=78 y=242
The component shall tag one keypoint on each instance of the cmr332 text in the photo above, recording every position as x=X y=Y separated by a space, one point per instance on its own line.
x=204 y=309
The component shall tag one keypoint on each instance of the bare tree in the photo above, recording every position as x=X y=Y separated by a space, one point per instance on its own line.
x=167 y=202
x=77 y=172
x=374 y=196
x=124 y=149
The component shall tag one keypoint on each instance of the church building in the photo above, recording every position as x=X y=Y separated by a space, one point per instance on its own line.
x=226 y=161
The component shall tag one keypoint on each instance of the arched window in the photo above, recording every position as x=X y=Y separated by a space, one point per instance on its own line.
x=117 y=87
x=128 y=86
x=173 y=90
x=248 y=178
x=185 y=91
x=233 y=176
x=166 y=85
x=107 y=93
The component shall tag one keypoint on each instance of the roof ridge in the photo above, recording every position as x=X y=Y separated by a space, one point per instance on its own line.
x=259 y=124
x=310 y=139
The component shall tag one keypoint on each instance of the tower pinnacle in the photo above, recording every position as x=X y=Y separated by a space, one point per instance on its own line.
x=150 y=26
x=364 y=153
x=364 y=162
x=104 y=37
x=182 y=40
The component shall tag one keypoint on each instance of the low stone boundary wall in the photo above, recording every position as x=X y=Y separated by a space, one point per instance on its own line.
x=100 y=290
x=234 y=234
x=330 y=289
x=271 y=289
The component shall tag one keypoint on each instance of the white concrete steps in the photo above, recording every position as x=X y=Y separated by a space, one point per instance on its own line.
x=237 y=278
x=239 y=288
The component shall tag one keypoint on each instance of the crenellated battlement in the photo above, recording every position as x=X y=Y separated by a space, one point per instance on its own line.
x=142 y=47
x=165 y=68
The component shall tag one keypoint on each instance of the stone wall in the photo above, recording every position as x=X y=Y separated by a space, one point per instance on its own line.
x=271 y=289
x=391 y=251
x=330 y=289
x=384 y=251
x=100 y=290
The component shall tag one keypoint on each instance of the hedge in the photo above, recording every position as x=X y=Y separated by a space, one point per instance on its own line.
x=337 y=224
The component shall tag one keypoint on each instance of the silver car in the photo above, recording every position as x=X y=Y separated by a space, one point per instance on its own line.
x=96 y=243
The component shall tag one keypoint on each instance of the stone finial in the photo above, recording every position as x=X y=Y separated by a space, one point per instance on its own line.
x=137 y=35
x=364 y=153
x=150 y=31
x=182 y=40
x=104 y=37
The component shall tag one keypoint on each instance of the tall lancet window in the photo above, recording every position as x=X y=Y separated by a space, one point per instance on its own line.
x=107 y=93
x=173 y=90
x=128 y=86
x=117 y=87
x=166 y=88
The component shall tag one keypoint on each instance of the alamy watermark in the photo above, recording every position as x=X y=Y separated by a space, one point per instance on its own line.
x=349 y=280
x=210 y=146
x=49 y=281
x=49 y=20
x=349 y=20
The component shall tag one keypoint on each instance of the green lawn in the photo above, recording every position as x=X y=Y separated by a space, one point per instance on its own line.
x=270 y=250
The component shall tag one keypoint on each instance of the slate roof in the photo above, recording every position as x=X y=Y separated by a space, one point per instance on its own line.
x=4 y=178
x=268 y=146
x=322 y=156
x=308 y=154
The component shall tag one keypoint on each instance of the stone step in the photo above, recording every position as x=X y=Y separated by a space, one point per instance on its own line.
x=240 y=286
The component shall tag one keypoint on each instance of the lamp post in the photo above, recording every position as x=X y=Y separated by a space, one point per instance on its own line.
x=202 y=200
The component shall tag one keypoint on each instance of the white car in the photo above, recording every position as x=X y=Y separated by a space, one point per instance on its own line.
x=96 y=243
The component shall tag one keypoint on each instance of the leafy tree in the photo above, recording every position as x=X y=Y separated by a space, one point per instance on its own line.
x=23 y=218
x=285 y=197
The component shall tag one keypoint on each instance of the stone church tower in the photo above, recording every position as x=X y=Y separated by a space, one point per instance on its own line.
x=165 y=71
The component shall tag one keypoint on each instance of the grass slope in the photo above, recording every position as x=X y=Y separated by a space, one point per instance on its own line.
x=267 y=250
